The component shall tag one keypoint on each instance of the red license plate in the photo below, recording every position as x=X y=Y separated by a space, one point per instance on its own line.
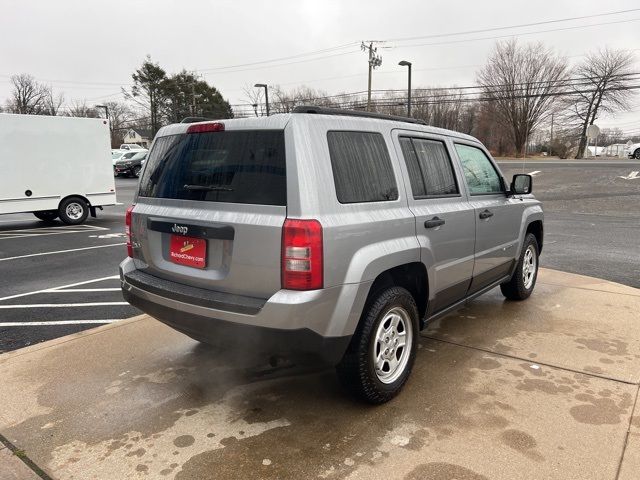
x=188 y=251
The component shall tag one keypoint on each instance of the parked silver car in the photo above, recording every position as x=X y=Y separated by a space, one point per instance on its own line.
x=325 y=233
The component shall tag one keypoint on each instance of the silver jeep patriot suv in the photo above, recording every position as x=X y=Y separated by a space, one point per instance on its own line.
x=325 y=233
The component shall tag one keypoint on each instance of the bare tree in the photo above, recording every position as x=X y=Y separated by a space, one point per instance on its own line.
x=120 y=114
x=610 y=136
x=522 y=82
x=281 y=101
x=52 y=103
x=255 y=96
x=27 y=95
x=601 y=84
x=81 y=109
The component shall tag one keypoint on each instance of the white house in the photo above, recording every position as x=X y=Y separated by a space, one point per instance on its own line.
x=139 y=136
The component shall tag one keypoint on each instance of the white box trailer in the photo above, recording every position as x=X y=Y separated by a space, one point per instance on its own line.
x=55 y=166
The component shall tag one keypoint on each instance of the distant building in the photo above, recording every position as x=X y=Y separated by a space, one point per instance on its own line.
x=139 y=136
x=593 y=151
x=615 y=150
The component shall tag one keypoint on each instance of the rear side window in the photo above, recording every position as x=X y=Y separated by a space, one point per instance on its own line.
x=430 y=171
x=244 y=166
x=362 y=169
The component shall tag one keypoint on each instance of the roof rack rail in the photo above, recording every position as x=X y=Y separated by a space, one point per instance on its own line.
x=194 y=119
x=354 y=113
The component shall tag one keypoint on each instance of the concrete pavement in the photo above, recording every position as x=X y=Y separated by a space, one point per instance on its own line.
x=539 y=389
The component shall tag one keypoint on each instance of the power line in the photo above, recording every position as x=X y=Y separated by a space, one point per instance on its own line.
x=467 y=40
x=545 y=22
x=325 y=50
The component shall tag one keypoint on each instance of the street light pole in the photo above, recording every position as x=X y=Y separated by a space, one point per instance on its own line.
x=106 y=110
x=266 y=94
x=404 y=63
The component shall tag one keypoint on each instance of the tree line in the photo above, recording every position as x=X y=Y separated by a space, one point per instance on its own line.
x=521 y=94
x=523 y=91
x=155 y=99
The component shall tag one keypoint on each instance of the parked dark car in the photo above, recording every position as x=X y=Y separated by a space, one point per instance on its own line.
x=130 y=164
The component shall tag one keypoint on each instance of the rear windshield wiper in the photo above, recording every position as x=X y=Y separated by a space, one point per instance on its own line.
x=208 y=188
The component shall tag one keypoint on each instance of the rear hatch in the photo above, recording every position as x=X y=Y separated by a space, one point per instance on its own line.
x=210 y=209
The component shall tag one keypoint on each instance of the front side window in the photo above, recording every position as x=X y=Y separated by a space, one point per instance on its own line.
x=361 y=166
x=430 y=171
x=479 y=172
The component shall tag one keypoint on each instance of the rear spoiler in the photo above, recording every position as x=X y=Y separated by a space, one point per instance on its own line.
x=194 y=119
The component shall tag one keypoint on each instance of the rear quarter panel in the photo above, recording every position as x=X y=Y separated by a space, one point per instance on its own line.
x=361 y=240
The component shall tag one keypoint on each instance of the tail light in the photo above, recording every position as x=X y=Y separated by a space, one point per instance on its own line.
x=206 y=127
x=127 y=230
x=302 y=262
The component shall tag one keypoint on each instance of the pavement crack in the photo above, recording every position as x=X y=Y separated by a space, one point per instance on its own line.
x=537 y=362
x=592 y=289
x=25 y=459
x=626 y=437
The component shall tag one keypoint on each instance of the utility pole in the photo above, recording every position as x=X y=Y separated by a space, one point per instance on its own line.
x=193 y=99
x=375 y=61
x=551 y=141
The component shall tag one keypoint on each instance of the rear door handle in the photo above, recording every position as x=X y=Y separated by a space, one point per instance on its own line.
x=485 y=214
x=434 y=222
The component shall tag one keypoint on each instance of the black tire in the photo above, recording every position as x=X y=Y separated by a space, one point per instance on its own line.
x=636 y=154
x=517 y=288
x=356 y=370
x=46 y=215
x=73 y=210
x=136 y=171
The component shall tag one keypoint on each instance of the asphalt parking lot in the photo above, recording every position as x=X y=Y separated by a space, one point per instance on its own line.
x=56 y=280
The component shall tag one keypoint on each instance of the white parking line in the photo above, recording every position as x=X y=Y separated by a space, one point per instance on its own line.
x=56 y=322
x=112 y=277
x=62 y=251
x=61 y=227
x=83 y=290
x=63 y=305
x=39 y=232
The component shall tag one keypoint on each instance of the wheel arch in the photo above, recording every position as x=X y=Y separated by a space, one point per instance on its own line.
x=75 y=195
x=411 y=276
x=536 y=227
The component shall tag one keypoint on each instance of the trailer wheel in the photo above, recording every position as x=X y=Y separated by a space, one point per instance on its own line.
x=46 y=215
x=73 y=210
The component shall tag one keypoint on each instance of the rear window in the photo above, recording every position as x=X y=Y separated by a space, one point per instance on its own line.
x=361 y=166
x=244 y=166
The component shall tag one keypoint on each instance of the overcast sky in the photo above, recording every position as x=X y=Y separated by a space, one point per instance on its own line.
x=88 y=49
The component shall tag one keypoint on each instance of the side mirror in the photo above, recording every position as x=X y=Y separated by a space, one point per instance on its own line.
x=521 y=184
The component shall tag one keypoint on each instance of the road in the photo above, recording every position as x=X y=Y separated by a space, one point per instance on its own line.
x=59 y=280
x=592 y=216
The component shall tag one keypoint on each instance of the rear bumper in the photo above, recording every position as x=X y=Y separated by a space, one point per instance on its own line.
x=317 y=324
